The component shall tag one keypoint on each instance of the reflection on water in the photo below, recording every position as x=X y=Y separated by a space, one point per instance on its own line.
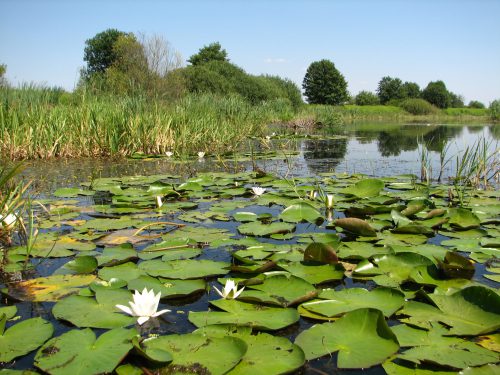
x=373 y=149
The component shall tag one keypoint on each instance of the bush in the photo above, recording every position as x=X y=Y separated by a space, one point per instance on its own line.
x=366 y=98
x=476 y=104
x=494 y=110
x=418 y=107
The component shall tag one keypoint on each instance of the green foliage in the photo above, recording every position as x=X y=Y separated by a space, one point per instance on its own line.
x=99 y=51
x=456 y=101
x=212 y=52
x=476 y=104
x=324 y=84
x=366 y=98
x=3 y=70
x=418 y=107
x=410 y=90
x=437 y=94
x=494 y=110
x=389 y=89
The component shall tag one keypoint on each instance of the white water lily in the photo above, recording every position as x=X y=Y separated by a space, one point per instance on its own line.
x=8 y=221
x=257 y=190
x=329 y=201
x=144 y=305
x=230 y=290
x=313 y=194
x=159 y=202
x=169 y=153
x=201 y=154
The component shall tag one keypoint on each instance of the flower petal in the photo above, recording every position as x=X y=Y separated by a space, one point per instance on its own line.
x=218 y=291
x=158 y=313
x=142 y=319
x=125 y=309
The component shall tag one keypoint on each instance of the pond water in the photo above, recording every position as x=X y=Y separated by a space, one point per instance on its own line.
x=377 y=150
x=370 y=148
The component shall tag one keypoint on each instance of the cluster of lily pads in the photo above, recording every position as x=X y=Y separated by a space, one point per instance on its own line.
x=339 y=271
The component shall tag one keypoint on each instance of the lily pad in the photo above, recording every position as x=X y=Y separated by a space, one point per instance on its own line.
x=361 y=337
x=300 y=212
x=366 y=188
x=169 y=288
x=356 y=226
x=314 y=273
x=321 y=253
x=245 y=314
x=77 y=266
x=184 y=269
x=259 y=229
x=23 y=337
x=78 y=352
x=462 y=218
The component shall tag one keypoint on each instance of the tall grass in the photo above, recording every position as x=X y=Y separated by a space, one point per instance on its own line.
x=43 y=123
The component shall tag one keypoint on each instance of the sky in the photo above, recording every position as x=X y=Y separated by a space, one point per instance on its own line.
x=456 y=41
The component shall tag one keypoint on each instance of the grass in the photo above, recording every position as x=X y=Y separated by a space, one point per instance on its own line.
x=35 y=124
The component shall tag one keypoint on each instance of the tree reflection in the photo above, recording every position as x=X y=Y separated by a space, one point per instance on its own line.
x=324 y=154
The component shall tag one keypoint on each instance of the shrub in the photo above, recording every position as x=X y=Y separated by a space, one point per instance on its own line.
x=418 y=107
x=366 y=98
x=494 y=109
x=476 y=104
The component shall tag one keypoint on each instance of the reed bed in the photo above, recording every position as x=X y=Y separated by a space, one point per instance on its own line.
x=45 y=123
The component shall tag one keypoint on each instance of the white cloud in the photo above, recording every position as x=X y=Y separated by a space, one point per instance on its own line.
x=275 y=61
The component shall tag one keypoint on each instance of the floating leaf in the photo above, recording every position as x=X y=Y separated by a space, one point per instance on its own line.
x=194 y=353
x=260 y=229
x=23 y=337
x=79 y=265
x=366 y=188
x=361 y=337
x=456 y=266
x=78 y=352
x=168 y=288
x=300 y=212
x=245 y=314
x=184 y=269
x=321 y=253
x=356 y=226
x=315 y=273
x=463 y=218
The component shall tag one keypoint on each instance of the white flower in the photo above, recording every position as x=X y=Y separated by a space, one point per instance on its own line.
x=329 y=201
x=201 y=154
x=144 y=305
x=268 y=138
x=169 y=153
x=257 y=190
x=312 y=194
x=159 y=202
x=7 y=221
x=230 y=290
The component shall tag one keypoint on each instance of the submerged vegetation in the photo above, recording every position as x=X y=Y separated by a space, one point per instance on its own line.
x=385 y=272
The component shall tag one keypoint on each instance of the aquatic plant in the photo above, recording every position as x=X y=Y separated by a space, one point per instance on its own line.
x=230 y=290
x=144 y=306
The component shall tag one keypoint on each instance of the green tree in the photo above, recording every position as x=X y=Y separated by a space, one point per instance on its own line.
x=494 y=109
x=437 y=94
x=456 y=101
x=410 y=90
x=212 y=52
x=366 y=98
x=324 y=84
x=476 y=104
x=3 y=70
x=390 y=89
x=99 y=52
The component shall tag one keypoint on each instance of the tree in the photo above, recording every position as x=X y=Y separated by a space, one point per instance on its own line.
x=161 y=57
x=99 y=52
x=3 y=80
x=456 y=101
x=476 y=104
x=437 y=94
x=212 y=52
x=390 y=89
x=366 y=98
x=410 y=90
x=324 y=84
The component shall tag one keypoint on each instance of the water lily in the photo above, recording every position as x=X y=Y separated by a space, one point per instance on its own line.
x=144 y=306
x=8 y=221
x=329 y=201
x=201 y=155
x=230 y=290
x=159 y=202
x=257 y=190
x=169 y=153
x=312 y=194
x=268 y=138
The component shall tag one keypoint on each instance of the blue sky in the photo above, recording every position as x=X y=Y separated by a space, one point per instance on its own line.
x=455 y=41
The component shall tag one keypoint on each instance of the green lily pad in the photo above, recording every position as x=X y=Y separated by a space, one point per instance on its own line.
x=366 y=188
x=184 y=269
x=431 y=346
x=79 y=265
x=113 y=256
x=314 y=273
x=280 y=290
x=260 y=229
x=126 y=271
x=338 y=302
x=300 y=212
x=71 y=192
x=8 y=311
x=245 y=314
x=321 y=253
x=245 y=217
x=111 y=224
x=23 y=337
x=356 y=226
x=195 y=353
x=78 y=352
x=462 y=218
x=362 y=338
x=266 y=354
x=169 y=288
x=51 y=288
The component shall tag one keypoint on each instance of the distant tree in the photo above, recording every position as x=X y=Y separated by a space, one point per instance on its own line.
x=99 y=52
x=437 y=94
x=324 y=84
x=389 y=89
x=476 y=104
x=366 y=98
x=3 y=70
x=212 y=52
x=410 y=90
x=494 y=109
x=160 y=55
x=456 y=101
